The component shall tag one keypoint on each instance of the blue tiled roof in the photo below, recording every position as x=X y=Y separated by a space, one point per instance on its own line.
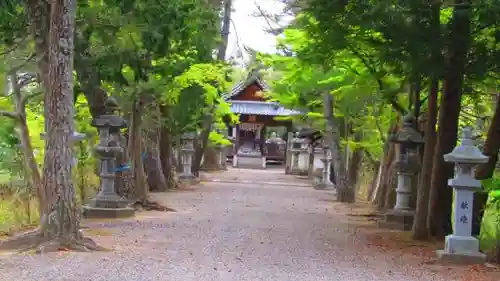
x=261 y=108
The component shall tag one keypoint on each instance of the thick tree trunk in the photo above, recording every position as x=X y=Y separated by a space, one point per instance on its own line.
x=210 y=159
x=389 y=153
x=390 y=192
x=439 y=221
x=152 y=162
x=491 y=146
x=344 y=192
x=123 y=178
x=202 y=142
x=140 y=187
x=420 y=231
x=38 y=12
x=61 y=217
x=377 y=179
x=167 y=159
x=386 y=175
x=355 y=163
x=87 y=74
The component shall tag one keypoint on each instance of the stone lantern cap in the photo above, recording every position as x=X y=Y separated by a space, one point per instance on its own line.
x=111 y=119
x=466 y=152
x=188 y=136
x=407 y=134
x=301 y=140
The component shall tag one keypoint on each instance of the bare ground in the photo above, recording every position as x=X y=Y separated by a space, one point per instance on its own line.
x=246 y=225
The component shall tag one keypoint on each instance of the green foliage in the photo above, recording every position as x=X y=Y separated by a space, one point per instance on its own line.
x=300 y=82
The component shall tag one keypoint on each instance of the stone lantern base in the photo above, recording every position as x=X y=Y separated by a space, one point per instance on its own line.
x=108 y=206
x=189 y=179
x=398 y=220
x=320 y=183
x=461 y=250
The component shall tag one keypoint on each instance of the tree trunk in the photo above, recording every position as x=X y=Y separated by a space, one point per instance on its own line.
x=152 y=163
x=61 y=217
x=167 y=157
x=31 y=166
x=390 y=192
x=140 y=187
x=87 y=74
x=202 y=142
x=439 y=221
x=420 y=231
x=389 y=158
x=210 y=159
x=123 y=177
x=344 y=192
x=38 y=12
x=377 y=179
x=491 y=146
x=355 y=163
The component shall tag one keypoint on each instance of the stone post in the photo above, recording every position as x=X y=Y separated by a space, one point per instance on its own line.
x=187 y=152
x=310 y=164
x=178 y=153
x=326 y=161
x=263 y=160
x=288 y=153
x=408 y=165
x=461 y=247
x=303 y=156
x=294 y=155
x=317 y=165
x=107 y=204
x=218 y=156
x=236 y=145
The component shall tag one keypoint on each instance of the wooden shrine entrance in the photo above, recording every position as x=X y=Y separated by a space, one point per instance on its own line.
x=259 y=137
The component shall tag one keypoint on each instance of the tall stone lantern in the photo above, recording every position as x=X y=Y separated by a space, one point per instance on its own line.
x=107 y=204
x=326 y=164
x=187 y=152
x=408 y=166
x=461 y=247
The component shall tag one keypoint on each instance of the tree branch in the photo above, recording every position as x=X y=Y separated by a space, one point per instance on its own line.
x=391 y=98
x=12 y=115
x=15 y=46
x=25 y=98
x=15 y=69
x=371 y=158
x=271 y=30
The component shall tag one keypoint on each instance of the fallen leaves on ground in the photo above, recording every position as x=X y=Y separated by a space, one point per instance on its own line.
x=419 y=253
x=480 y=273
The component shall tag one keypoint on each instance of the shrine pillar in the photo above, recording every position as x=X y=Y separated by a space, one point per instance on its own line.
x=236 y=142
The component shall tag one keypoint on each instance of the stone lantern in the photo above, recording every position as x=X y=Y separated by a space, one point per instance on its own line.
x=187 y=152
x=408 y=166
x=294 y=156
x=461 y=246
x=107 y=204
x=303 y=165
x=326 y=163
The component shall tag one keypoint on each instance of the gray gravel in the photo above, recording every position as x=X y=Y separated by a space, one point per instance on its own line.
x=222 y=231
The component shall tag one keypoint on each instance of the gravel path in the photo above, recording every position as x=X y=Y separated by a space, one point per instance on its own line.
x=225 y=231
